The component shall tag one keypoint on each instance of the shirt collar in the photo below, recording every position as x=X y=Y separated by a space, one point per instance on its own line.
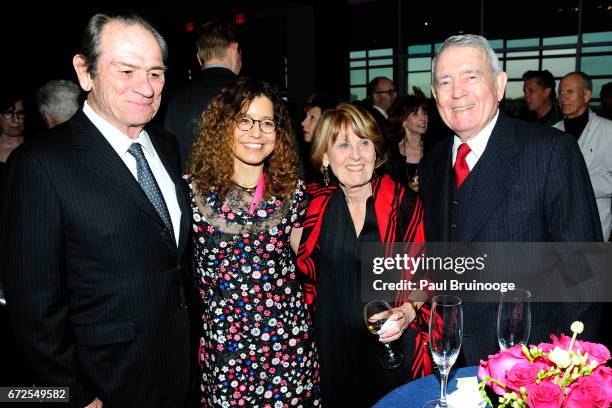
x=381 y=110
x=479 y=142
x=207 y=66
x=117 y=139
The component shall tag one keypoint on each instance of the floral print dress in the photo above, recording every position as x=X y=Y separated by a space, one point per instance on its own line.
x=256 y=348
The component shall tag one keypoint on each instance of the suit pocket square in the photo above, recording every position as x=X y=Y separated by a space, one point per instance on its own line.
x=105 y=333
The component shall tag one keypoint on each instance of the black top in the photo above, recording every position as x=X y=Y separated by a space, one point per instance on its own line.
x=350 y=372
x=397 y=167
x=552 y=117
x=575 y=126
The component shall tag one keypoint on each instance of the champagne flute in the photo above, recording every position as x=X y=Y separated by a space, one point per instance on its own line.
x=445 y=334
x=514 y=318
x=375 y=314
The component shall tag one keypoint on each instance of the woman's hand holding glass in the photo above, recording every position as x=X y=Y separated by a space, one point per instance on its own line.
x=403 y=316
x=383 y=321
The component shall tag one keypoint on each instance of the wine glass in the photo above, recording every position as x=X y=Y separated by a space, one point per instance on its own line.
x=445 y=334
x=375 y=314
x=514 y=318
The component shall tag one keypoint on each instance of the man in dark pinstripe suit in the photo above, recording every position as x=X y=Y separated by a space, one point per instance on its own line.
x=96 y=267
x=514 y=182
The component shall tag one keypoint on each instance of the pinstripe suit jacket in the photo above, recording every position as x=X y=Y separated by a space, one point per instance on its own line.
x=532 y=186
x=96 y=287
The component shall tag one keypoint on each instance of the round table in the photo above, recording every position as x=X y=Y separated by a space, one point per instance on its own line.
x=417 y=393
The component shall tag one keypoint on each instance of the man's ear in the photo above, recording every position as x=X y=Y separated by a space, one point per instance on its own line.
x=49 y=121
x=433 y=93
x=80 y=66
x=235 y=58
x=587 y=95
x=500 y=83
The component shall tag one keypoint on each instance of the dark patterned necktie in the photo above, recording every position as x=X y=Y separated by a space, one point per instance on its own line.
x=149 y=185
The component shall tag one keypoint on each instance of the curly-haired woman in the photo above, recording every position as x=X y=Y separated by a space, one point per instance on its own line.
x=256 y=346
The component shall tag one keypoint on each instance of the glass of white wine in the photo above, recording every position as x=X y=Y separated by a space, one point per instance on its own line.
x=514 y=318
x=375 y=314
x=445 y=335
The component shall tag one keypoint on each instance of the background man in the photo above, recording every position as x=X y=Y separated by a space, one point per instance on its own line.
x=96 y=230
x=381 y=94
x=57 y=101
x=500 y=180
x=594 y=135
x=219 y=55
x=539 y=94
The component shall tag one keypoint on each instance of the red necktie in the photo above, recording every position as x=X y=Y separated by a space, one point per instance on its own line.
x=461 y=167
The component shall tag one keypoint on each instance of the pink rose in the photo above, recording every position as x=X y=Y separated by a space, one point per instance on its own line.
x=546 y=347
x=589 y=393
x=497 y=365
x=597 y=352
x=522 y=374
x=544 y=395
x=603 y=376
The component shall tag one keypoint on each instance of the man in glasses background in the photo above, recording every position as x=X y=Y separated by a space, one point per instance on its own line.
x=381 y=93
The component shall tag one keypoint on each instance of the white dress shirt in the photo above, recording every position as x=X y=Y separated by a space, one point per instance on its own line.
x=477 y=144
x=121 y=143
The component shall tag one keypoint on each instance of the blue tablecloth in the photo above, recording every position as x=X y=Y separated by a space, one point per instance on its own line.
x=416 y=393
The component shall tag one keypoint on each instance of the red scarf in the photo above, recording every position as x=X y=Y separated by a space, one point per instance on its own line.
x=399 y=216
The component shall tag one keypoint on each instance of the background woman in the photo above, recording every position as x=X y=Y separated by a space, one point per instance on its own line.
x=12 y=119
x=356 y=207
x=408 y=121
x=256 y=346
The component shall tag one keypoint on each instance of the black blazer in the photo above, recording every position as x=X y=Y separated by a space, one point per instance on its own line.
x=96 y=287
x=186 y=106
x=532 y=186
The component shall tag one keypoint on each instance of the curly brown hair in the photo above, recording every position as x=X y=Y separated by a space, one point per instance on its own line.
x=211 y=164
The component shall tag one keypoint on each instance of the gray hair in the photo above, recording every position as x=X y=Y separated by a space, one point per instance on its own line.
x=469 y=40
x=59 y=98
x=585 y=80
x=90 y=44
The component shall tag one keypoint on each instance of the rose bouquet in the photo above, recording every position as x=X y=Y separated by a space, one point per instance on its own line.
x=566 y=373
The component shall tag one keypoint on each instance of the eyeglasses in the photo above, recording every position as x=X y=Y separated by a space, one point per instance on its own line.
x=20 y=115
x=245 y=123
x=388 y=91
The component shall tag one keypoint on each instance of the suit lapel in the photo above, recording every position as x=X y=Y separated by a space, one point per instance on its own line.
x=102 y=159
x=180 y=185
x=496 y=172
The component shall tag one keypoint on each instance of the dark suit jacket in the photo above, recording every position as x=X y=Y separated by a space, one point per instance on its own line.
x=532 y=185
x=186 y=106
x=383 y=123
x=96 y=287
